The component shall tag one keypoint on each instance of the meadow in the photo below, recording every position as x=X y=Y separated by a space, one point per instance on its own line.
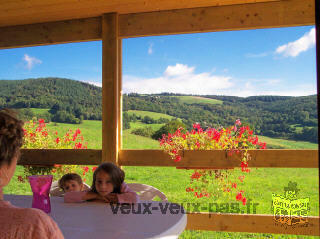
x=198 y=100
x=259 y=184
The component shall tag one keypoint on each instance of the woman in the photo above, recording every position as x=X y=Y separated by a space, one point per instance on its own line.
x=16 y=223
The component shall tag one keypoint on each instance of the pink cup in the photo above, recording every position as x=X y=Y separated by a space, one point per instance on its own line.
x=40 y=186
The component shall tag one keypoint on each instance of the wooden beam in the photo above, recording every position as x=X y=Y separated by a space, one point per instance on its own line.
x=60 y=156
x=224 y=18
x=249 y=223
x=271 y=158
x=51 y=33
x=18 y=12
x=110 y=84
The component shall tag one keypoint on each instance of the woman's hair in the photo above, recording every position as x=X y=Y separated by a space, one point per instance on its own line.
x=116 y=174
x=68 y=177
x=11 y=136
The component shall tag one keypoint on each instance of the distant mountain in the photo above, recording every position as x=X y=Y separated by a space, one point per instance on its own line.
x=72 y=101
x=65 y=97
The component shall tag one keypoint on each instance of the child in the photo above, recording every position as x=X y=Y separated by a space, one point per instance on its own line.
x=71 y=182
x=107 y=185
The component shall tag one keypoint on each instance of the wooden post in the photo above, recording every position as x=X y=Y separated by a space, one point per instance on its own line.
x=317 y=15
x=110 y=93
x=120 y=94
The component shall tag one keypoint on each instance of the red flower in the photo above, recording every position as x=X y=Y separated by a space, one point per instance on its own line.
x=196 y=175
x=239 y=196
x=178 y=158
x=198 y=144
x=45 y=133
x=86 y=169
x=234 y=185
x=57 y=140
x=244 y=201
x=78 y=131
x=56 y=132
x=196 y=126
x=78 y=145
x=241 y=178
x=41 y=121
x=244 y=166
x=238 y=122
x=94 y=169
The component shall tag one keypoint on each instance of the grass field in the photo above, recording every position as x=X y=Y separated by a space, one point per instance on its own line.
x=260 y=183
x=39 y=111
x=153 y=115
x=288 y=144
x=198 y=100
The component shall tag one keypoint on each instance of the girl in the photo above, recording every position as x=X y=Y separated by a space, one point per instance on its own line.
x=107 y=185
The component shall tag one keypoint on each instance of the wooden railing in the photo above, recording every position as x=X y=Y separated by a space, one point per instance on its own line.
x=274 y=158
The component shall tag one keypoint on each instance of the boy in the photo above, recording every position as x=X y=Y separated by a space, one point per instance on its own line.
x=71 y=182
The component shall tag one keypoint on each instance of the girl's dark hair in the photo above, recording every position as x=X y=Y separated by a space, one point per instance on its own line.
x=68 y=177
x=11 y=136
x=116 y=174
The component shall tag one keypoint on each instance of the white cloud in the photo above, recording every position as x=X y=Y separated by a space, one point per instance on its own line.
x=177 y=79
x=178 y=70
x=150 y=49
x=31 y=61
x=94 y=83
x=294 y=48
x=183 y=79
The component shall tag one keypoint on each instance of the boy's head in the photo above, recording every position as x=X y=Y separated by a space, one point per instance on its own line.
x=71 y=182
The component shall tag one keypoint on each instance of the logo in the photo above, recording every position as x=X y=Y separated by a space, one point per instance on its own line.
x=288 y=209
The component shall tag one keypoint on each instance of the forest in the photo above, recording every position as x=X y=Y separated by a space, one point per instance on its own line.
x=71 y=101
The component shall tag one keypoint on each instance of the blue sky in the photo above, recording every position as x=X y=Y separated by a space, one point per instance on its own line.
x=279 y=61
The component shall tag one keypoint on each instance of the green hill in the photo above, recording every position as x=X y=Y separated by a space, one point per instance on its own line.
x=71 y=101
x=67 y=99
x=198 y=100
x=153 y=115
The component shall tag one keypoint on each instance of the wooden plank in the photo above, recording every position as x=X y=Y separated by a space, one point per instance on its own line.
x=274 y=158
x=60 y=156
x=271 y=158
x=110 y=85
x=18 y=12
x=248 y=223
x=224 y=18
x=51 y=33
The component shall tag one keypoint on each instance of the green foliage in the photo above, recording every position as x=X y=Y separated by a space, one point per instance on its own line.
x=72 y=100
x=268 y=115
x=144 y=131
x=126 y=120
x=169 y=127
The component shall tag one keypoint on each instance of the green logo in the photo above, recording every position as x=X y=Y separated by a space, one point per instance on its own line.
x=288 y=209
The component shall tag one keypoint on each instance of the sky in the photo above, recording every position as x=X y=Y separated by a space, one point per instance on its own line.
x=277 y=61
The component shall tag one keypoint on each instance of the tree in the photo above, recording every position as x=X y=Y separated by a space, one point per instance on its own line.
x=169 y=127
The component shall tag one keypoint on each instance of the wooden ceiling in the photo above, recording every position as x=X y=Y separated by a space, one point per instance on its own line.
x=21 y=12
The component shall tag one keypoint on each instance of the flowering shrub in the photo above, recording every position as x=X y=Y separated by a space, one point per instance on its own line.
x=38 y=136
x=236 y=139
